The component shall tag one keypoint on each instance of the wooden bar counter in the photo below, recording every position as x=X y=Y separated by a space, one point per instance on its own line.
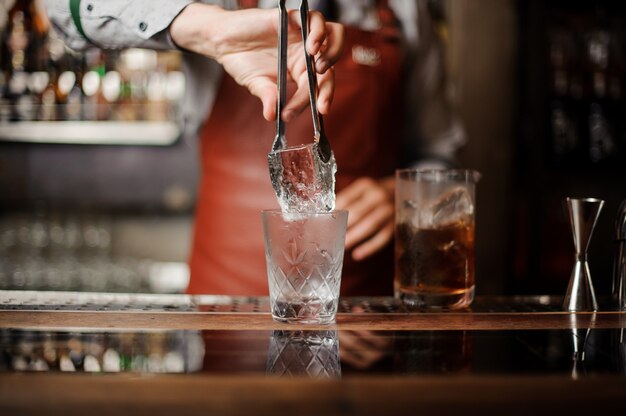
x=70 y=353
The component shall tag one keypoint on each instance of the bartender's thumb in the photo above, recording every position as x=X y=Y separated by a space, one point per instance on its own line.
x=268 y=95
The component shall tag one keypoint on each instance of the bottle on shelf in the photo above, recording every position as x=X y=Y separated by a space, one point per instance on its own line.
x=23 y=52
x=5 y=105
x=22 y=101
x=91 y=85
x=48 y=98
x=70 y=94
x=74 y=99
x=602 y=146
x=565 y=140
x=111 y=90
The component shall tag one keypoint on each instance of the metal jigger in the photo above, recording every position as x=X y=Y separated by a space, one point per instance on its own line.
x=583 y=214
x=580 y=334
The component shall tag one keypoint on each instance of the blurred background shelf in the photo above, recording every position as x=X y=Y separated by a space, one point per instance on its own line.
x=136 y=133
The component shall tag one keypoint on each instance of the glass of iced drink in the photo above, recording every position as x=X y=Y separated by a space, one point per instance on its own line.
x=304 y=257
x=434 y=249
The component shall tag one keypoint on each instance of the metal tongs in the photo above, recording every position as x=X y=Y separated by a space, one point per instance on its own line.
x=280 y=141
x=302 y=176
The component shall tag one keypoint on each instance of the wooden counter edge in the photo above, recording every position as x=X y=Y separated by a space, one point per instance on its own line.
x=96 y=394
x=263 y=321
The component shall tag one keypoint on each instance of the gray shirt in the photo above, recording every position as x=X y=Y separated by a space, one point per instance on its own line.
x=433 y=132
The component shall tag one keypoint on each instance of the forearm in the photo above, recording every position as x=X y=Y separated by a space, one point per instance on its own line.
x=193 y=30
x=115 y=24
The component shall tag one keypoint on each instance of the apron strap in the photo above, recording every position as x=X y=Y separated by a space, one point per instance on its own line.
x=388 y=18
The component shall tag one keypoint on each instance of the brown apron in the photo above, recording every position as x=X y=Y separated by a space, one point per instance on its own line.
x=363 y=128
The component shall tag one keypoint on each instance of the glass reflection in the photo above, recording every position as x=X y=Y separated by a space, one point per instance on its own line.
x=365 y=350
x=580 y=336
x=619 y=340
x=579 y=343
x=312 y=354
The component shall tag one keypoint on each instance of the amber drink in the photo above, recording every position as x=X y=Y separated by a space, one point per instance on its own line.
x=434 y=252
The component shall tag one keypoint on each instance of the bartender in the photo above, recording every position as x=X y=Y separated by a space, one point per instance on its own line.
x=389 y=108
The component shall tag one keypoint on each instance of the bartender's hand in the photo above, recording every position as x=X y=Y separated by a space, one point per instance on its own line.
x=245 y=43
x=371 y=219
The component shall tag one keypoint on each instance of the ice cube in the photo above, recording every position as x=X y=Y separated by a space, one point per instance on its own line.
x=410 y=205
x=453 y=206
x=303 y=182
x=409 y=212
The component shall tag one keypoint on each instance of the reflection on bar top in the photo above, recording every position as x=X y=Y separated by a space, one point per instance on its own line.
x=328 y=353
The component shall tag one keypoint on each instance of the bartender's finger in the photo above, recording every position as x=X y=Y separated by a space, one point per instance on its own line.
x=369 y=225
x=369 y=218
x=325 y=40
x=317 y=32
x=326 y=91
x=332 y=48
x=299 y=101
x=352 y=192
x=317 y=29
x=374 y=244
x=360 y=197
x=326 y=88
x=265 y=90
